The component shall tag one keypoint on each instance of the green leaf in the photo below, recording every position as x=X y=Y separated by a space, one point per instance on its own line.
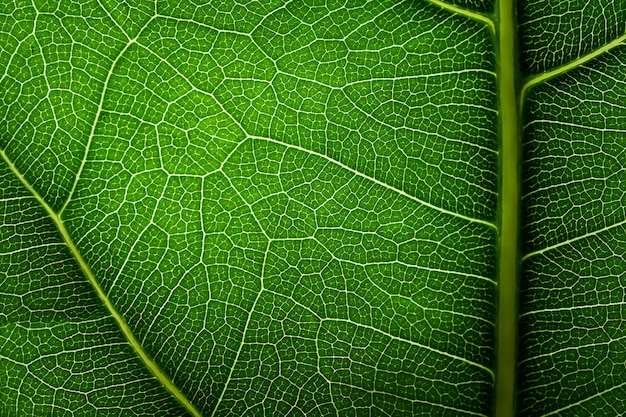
x=572 y=350
x=312 y=208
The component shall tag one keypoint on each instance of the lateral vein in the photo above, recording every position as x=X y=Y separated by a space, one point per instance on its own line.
x=150 y=364
x=568 y=66
x=467 y=13
x=584 y=400
x=574 y=239
x=375 y=181
x=416 y=344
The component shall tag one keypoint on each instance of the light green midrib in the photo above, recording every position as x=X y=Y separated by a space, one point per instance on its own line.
x=503 y=27
x=509 y=167
x=149 y=363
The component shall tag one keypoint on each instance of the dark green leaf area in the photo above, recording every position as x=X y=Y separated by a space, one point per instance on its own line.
x=573 y=290
x=55 y=73
x=574 y=166
x=291 y=204
x=279 y=223
x=573 y=344
x=403 y=107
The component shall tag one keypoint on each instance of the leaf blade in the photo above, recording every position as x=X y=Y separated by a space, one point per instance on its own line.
x=180 y=202
x=574 y=239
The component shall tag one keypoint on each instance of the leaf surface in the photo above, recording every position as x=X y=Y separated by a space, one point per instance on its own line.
x=295 y=208
x=574 y=179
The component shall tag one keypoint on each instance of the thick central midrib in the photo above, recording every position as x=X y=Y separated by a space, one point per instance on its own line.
x=509 y=197
x=509 y=201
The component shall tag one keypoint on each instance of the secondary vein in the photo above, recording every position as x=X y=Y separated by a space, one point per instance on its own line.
x=568 y=66
x=574 y=239
x=376 y=181
x=150 y=364
x=467 y=13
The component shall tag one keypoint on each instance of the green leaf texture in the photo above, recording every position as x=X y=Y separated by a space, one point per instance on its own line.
x=572 y=358
x=294 y=208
